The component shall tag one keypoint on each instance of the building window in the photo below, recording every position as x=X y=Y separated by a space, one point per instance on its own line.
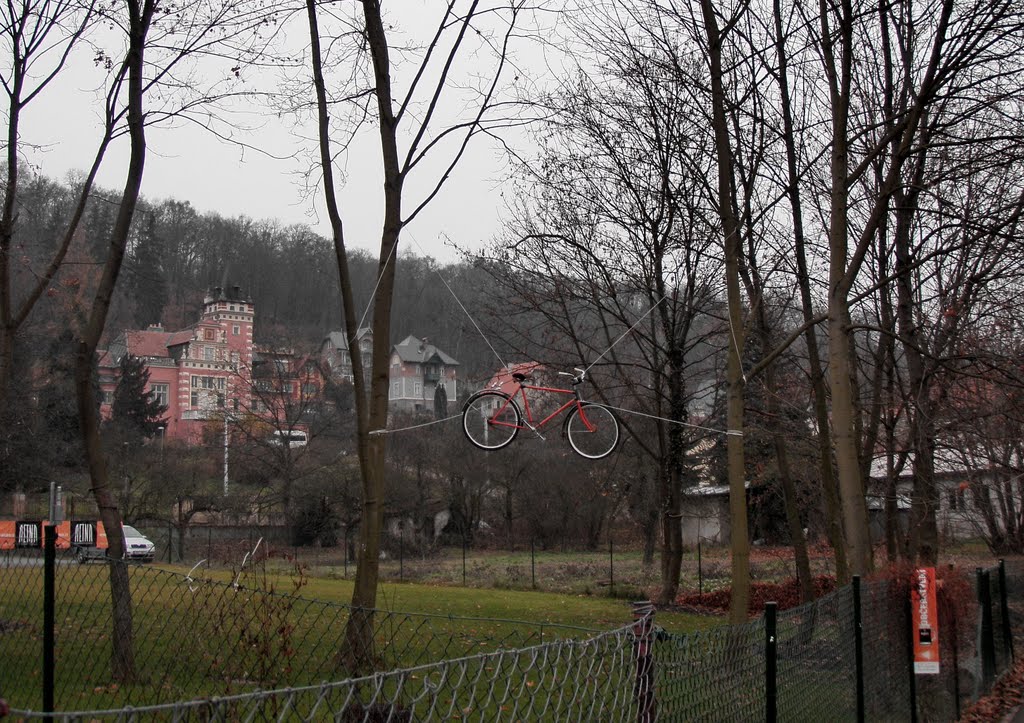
x=220 y=401
x=107 y=397
x=195 y=399
x=209 y=353
x=394 y=390
x=234 y=404
x=236 y=329
x=417 y=389
x=286 y=387
x=309 y=390
x=208 y=382
x=160 y=393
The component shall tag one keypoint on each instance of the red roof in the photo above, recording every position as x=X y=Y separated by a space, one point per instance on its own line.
x=179 y=337
x=503 y=381
x=105 y=359
x=147 y=343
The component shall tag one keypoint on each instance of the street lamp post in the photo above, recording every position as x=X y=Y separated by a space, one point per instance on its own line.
x=124 y=471
x=226 y=436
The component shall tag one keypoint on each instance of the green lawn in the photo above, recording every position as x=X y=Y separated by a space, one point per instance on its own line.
x=207 y=638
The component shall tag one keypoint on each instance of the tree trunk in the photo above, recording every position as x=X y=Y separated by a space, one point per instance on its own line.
x=123 y=660
x=650 y=536
x=833 y=513
x=841 y=368
x=357 y=653
x=671 y=534
x=739 y=535
x=924 y=537
x=796 y=529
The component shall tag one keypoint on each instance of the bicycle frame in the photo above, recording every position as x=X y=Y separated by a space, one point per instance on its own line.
x=528 y=413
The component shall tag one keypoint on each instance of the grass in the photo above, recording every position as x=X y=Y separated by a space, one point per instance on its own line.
x=207 y=639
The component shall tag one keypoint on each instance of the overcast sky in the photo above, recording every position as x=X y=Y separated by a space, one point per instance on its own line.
x=188 y=163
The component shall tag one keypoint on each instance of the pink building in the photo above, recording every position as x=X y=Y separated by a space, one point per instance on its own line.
x=201 y=373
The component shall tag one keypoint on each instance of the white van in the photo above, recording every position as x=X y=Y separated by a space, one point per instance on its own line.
x=289 y=438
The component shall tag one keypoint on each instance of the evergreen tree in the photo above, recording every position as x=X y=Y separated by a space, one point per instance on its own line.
x=59 y=431
x=135 y=412
x=146 y=277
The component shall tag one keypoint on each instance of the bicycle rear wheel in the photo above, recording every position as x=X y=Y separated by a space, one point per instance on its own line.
x=593 y=430
x=491 y=419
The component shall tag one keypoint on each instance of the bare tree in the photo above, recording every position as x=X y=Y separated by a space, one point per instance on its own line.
x=194 y=32
x=38 y=38
x=418 y=138
x=610 y=261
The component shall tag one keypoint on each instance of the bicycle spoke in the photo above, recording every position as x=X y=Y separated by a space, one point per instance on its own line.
x=592 y=430
x=490 y=420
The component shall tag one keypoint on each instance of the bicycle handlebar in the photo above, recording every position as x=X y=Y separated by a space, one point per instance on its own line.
x=576 y=378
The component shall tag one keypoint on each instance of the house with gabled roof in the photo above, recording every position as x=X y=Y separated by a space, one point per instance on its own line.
x=417 y=371
x=334 y=353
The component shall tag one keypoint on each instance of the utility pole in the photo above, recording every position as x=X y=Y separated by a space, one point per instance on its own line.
x=226 y=436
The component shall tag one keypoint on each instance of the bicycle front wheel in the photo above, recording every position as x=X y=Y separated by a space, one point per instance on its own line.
x=593 y=431
x=491 y=419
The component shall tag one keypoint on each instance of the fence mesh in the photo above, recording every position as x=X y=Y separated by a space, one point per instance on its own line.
x=202 y=637
x=559 y=681
x=243 y=648
x=816 y=659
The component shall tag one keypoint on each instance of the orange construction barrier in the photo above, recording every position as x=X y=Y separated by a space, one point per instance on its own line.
x=28 y=534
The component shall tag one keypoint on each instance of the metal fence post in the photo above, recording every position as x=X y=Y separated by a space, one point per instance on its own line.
x=988 y=648
x=49 y=610
x=1005 y=612
x=771 y=712
x=908 y=626
x=700 y=573
x=533 y=564
x=643 y=652
x=858 y=647
x=611 y=568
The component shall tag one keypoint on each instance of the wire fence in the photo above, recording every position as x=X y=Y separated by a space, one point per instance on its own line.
x=611 y=567
x=196 y=637
x=239 y=647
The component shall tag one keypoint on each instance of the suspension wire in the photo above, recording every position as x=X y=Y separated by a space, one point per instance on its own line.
x=415 y=426
x=463 y=307
x=627 y=331
x=622 y=336
x=727 y=432
x=373 y=293
x=736 y=346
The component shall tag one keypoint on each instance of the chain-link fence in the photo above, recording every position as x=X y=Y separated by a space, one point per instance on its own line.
x=610 y=568
x=233 y=648
x=209 y=637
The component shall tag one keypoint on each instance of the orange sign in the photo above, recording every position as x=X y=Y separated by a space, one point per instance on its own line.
x=925 y=619
x=84 y=533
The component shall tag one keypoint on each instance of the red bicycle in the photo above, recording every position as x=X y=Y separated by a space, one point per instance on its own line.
x=491 y=418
